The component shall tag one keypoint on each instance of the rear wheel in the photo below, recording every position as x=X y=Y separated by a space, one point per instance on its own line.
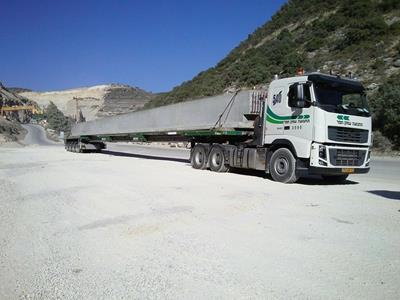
x=198 y=158
x=282 y=166
x=335 y=178
x=217 y=160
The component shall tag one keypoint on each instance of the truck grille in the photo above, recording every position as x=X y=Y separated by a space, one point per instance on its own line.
x=347 y=157
x=350 y=135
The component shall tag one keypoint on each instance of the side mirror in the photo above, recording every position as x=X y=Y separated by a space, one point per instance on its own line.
x=300 y=101
x=300 y=104
x=296 y=96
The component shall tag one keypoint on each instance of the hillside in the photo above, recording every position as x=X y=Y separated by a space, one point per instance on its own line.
x=10 y=129
x=360 y=36
x=96 y=101
x=10 y=98
x=18 y=90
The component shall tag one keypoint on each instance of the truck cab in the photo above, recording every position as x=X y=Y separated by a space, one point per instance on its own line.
x=323 y=120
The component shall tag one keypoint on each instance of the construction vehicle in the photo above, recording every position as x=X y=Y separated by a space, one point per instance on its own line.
x=307 y=124
x=32 y=108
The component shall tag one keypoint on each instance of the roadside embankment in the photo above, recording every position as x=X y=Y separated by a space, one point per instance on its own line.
x=10 y=132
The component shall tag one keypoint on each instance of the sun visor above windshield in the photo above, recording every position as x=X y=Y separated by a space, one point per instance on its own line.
x=336 y=82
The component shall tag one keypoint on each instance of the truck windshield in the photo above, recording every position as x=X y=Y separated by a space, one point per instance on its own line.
x=341 y=99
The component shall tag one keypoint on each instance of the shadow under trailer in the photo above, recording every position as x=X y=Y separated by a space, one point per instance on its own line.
x=308 y=124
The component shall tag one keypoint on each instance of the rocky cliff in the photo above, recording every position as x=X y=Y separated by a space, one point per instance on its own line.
x=96 y=101
x=10 y=98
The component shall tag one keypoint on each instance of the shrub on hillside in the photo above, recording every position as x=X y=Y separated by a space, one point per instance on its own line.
x=56 y=119
x=381 y=142
x=386 y=108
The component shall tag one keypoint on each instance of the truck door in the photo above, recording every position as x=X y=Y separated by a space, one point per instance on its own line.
x=300 y=125
x=284 y=117
x=276 y=108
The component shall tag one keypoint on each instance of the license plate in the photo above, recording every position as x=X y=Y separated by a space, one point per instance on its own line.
x=347 y=170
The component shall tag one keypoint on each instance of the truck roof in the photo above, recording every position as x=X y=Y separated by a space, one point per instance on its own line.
x=316 y=77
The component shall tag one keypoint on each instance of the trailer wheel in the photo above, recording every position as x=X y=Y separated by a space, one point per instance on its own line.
x=335 y=178
x=217 y=160
x=198 y=159
x=282 y=166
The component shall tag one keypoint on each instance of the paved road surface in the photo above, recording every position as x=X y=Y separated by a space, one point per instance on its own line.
x=37 y=136
x=129 y=226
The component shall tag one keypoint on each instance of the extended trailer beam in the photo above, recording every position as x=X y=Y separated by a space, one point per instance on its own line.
x=195 y=136
x=182 y=136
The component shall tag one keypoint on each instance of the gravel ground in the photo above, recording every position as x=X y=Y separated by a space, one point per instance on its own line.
x=103 y=226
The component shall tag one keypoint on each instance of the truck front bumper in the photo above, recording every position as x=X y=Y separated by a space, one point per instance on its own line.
x=336 y=171
x=338 y=159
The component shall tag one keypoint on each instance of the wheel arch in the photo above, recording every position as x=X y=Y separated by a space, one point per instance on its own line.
x=283 y=143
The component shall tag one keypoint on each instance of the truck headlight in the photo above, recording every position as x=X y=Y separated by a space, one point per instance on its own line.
x=322 y=151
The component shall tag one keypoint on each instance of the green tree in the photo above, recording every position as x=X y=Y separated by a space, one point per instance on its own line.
x=56 y=119
x=386 y=108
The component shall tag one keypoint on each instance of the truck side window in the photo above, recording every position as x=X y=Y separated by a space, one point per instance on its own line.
x=293 y=99
x=307 y=95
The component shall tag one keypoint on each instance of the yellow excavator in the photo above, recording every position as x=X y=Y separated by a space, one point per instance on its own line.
x=33 y=108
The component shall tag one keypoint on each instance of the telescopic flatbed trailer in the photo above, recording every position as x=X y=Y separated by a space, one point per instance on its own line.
x=309 y=124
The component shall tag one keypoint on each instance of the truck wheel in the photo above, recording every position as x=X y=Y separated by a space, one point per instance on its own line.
x=217 y=160
x=282 y=166
x=198 y=159
x=335 y=178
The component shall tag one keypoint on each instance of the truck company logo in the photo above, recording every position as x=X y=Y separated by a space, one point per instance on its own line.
x=345 y=120
x=277 y=98
x=275 y=119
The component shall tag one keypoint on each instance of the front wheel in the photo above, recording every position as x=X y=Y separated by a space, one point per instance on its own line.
x=282 y=166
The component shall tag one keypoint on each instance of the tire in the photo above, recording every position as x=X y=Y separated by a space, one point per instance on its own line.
x=216 y=160
x=335 y=178
x=282 y=166
x=198 y=159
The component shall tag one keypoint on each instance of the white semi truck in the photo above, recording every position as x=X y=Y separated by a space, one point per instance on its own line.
x=307 y=124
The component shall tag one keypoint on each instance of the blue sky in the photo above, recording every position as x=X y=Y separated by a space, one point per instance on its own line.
x=155 y=45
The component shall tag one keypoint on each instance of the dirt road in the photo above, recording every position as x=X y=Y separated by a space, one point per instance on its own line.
x=36 y=135
x=107 y=226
